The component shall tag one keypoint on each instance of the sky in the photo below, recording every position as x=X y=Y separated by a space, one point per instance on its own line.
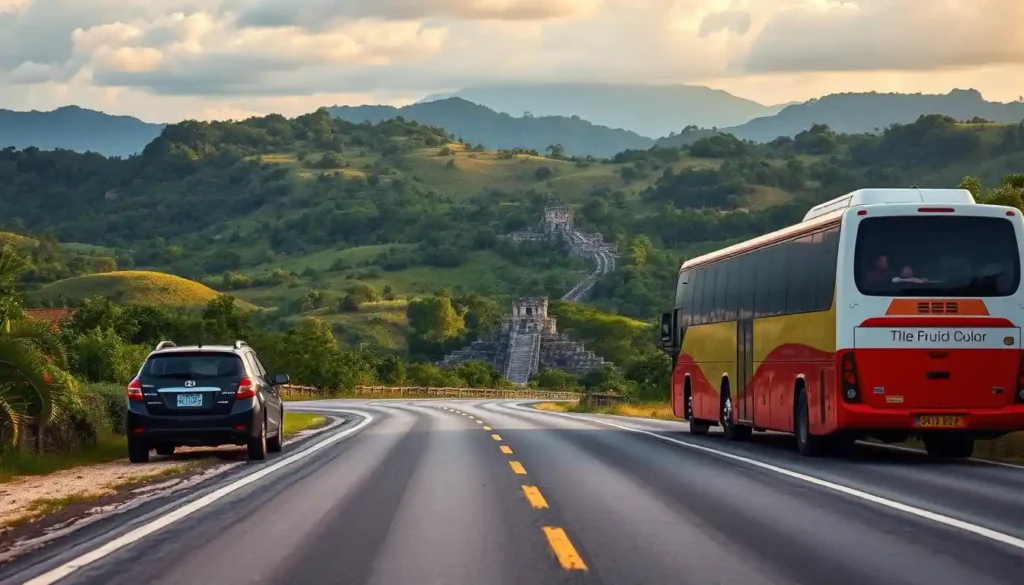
x=167 y=60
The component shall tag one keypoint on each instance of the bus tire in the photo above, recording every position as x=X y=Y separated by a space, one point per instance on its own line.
x=731 y=430
x=949 y=446
x=807 y=444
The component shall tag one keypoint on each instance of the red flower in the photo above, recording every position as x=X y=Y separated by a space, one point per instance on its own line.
x=46 y=378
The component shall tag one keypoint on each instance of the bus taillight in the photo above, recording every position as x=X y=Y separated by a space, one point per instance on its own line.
x=851 y=392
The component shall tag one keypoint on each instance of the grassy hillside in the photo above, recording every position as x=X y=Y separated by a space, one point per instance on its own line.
x=132 y=287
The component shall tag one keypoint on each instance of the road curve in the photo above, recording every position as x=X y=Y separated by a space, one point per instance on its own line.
x=470 y=491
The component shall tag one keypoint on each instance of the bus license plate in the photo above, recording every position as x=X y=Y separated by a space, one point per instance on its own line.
x=940 y=421
x=187 y=400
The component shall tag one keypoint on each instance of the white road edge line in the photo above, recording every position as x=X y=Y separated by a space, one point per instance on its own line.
x=141 y=532
x=919 y=512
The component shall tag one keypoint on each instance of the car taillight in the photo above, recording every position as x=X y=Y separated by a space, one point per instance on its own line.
x=851 y=391
x=1020 y=381
x=246 y=389
x=134 y=390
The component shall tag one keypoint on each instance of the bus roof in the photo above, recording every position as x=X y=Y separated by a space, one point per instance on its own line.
x=831 y=211
x=882 y=196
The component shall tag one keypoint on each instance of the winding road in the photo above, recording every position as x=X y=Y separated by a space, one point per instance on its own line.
x=495 y=492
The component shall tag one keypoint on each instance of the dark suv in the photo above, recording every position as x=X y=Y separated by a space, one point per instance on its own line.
x=204 y=395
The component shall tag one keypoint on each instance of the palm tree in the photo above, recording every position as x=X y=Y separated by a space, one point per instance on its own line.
x=33 y=363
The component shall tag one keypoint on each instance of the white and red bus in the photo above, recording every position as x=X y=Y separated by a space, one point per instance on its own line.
x=887 y=313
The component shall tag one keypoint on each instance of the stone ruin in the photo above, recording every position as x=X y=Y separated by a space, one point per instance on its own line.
x=527 y=342
x=528 y=339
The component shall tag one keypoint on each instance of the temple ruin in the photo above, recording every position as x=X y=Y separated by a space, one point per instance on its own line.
x=528 y=339
x=527 y=342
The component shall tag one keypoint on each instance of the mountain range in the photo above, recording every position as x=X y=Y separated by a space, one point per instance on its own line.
x=75 y=128
x=647 y=109
x=640 y=115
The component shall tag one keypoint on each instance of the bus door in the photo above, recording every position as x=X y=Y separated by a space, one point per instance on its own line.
x=744 y=371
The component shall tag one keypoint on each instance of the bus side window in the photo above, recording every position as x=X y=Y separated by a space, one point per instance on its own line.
x=707 y=306
x=771 y=282
x=722 y=292
x=696 y=306
x=801 y=262
x=731 y=269
x=825 y=272
x=745 y=276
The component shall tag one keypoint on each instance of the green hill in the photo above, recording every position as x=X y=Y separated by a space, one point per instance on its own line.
x=132 y=287
x=279 y=211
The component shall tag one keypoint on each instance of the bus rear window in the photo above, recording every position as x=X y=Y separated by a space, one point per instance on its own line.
x=937 y=257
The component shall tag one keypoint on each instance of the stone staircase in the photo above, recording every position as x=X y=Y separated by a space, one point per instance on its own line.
x=523 y=356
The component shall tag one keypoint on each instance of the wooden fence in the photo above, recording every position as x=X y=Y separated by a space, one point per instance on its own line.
x=433 y=392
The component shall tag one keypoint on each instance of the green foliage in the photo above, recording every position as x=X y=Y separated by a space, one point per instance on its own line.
x=102 y=356
x=557 y=380
x=34 y=381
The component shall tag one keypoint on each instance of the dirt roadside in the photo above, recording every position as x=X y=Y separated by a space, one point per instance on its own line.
x=34 y=509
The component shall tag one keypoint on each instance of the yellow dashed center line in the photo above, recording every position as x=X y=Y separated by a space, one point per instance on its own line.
x=479 y=422
x=534 y=496
x=487 y=428
x=517 y=467
x=506 y=449
x=496 y=437
x=564 y=551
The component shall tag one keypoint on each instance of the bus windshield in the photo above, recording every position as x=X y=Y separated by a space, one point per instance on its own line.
x=937 y=256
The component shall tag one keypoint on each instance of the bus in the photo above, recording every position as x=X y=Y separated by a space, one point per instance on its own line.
x=885 y=313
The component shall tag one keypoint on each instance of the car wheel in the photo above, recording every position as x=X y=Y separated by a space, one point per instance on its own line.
x=276 y=443
x=258 y=444
x=138 y=451
x=165 y=450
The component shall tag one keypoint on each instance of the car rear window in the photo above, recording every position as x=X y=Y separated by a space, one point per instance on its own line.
x=196 y=365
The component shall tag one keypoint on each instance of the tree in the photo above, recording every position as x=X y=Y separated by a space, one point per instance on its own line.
x=556 y=151
x=34 y=381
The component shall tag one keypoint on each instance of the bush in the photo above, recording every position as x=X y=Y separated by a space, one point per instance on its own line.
x=101 y=356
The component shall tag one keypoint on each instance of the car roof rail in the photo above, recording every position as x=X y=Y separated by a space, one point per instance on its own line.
x=164 y=344
x=239 y=344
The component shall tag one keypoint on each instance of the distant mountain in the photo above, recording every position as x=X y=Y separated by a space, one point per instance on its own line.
x=866 y=112
x=75 y=128
x=478 y=124
x=647 y=109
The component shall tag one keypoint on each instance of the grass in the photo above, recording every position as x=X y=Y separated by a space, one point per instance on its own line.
x=484 y=272
x=300 y=421
x=380 y=325
x=132 y=287
x=108 y=448
x=323 y=261
x=15 y=240
x=659 y=410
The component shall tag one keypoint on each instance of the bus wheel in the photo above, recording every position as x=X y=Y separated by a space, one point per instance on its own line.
x=807 y=444
x=731 y=430
x=949 y=446
x=699 y=427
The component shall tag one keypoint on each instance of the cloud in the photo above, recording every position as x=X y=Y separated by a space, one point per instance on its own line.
x=13 y=6
x=316 y=14
x=159 y=58
x=736 y=21
x=889 y=35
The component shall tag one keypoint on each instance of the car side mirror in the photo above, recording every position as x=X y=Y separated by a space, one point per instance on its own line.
x=281 y=379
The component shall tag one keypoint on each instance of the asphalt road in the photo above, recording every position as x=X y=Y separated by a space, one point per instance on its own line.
x=488 y=492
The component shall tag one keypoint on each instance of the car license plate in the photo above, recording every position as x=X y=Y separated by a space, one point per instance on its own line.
x=940 y=421
x=187 y=400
